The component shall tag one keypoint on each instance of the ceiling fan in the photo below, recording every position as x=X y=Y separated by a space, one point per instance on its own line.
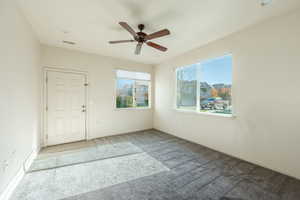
x=142 y=37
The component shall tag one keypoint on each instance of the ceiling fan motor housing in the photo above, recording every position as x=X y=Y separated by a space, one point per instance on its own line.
x=141 y=37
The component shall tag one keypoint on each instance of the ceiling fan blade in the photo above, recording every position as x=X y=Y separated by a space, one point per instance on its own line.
x=157 y=46
x=129 y=29
x=138 y=48
x=120 y=41
x=158 y=34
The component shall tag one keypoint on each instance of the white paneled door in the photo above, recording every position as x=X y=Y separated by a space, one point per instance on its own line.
x=66 y=107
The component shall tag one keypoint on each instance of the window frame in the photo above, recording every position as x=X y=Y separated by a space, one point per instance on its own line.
x=133 y=92
x=198 y=108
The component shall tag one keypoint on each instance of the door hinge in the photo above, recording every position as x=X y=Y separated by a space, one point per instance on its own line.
x=46 y=108
x=86 y=84
x=46 y=136
x=46 y=79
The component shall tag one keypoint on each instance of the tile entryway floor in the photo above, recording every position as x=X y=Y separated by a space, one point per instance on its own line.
x=148 y=165
x=81 y=152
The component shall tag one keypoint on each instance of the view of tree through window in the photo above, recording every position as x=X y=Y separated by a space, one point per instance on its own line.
x=215 y=85
x=125 y=93
x=206 y=87
x=132 y=89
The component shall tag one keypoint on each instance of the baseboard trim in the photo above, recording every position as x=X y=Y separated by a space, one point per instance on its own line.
x=12 y=185
x=8 y=191
x=30 y=160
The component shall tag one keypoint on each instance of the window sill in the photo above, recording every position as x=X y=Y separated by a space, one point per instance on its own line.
x=206 y=113
x=145 y=108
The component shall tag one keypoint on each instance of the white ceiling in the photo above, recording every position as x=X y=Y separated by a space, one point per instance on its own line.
x=92 y=23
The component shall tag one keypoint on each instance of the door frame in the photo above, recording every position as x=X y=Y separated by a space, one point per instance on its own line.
x=44 y=116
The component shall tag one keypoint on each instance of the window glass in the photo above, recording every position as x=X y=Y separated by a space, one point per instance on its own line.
x=124 y=93
x=187 y=87
x=142 y=93
x=206 y=86
x=132 y=89
x=133 y=75
x=215 y=85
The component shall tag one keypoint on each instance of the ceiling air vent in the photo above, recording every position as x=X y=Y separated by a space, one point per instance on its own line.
x=265 y=2
x=68 y=42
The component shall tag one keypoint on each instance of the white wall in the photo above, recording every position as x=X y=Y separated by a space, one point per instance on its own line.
x=266 y=59
x=19 y=91
x=103 y=118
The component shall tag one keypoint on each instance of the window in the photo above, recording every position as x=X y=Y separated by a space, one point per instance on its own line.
x=133 y=89
x=206 y=86
x=187 y=88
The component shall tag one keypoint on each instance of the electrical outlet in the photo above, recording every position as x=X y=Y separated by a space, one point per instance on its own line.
x=12 y=155
x=5 y=165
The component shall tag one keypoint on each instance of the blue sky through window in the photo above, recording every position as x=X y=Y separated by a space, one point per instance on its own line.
x=218 y=70
x=212 y=71
x=123 y=82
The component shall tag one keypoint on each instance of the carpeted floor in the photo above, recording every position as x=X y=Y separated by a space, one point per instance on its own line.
x=149 y=165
